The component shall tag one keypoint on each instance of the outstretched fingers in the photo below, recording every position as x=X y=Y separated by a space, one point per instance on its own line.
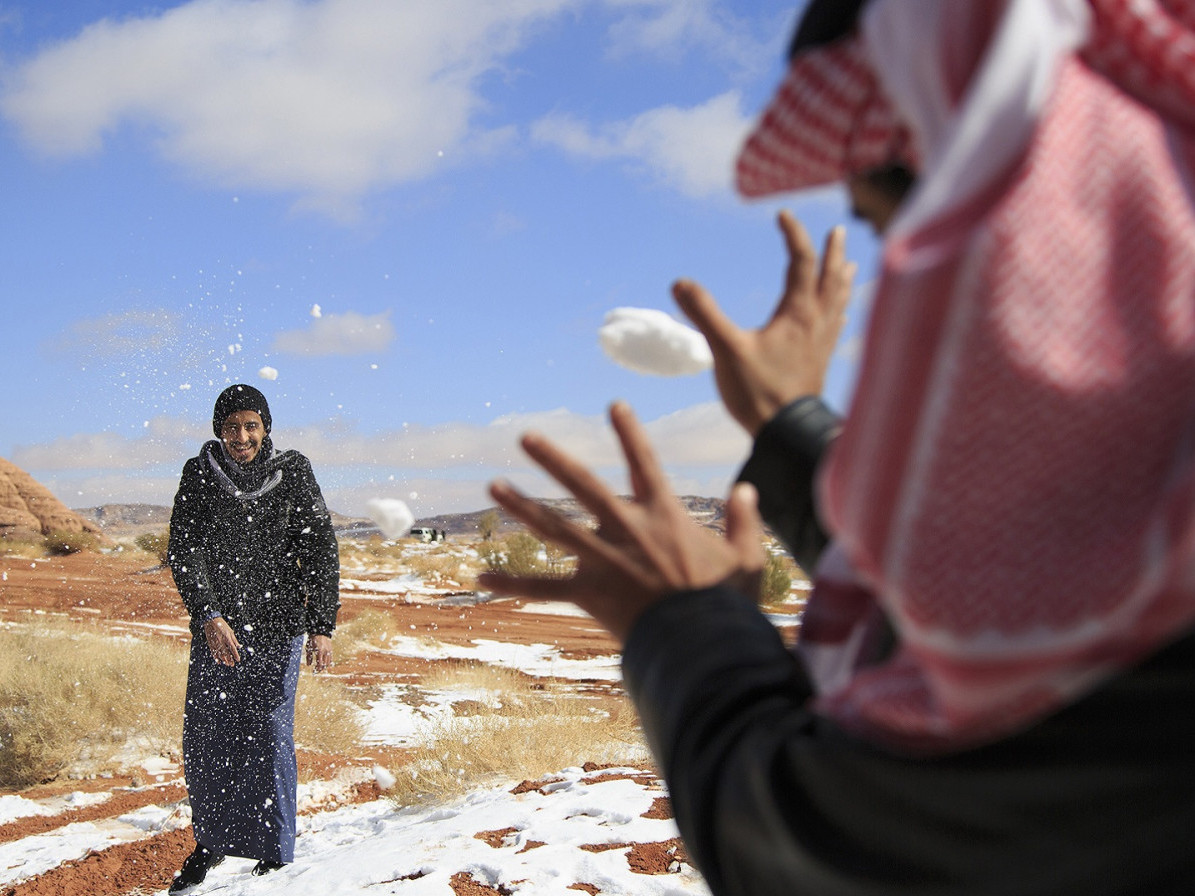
x=703 y=311
x=802 y=275
x=837 y=274
x=543 y=521
x=826 y=285
x=648 y=481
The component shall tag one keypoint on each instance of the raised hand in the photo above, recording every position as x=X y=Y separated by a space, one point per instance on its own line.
x=643 y=549
x=758 y=372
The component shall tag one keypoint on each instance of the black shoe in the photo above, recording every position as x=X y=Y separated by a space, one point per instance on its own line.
x=264 y=867
x=195 y=868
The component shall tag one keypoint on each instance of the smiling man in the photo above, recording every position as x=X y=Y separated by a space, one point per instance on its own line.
x=255 y=560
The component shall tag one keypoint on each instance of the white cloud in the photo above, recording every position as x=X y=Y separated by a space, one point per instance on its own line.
x=326 y=99
x=448 y=465
x=674 y=27
x=691 y=150
x=344 y=334
x=120 y=334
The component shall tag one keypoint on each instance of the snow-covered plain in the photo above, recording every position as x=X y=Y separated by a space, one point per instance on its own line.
x=576 y=830
x=577 y=827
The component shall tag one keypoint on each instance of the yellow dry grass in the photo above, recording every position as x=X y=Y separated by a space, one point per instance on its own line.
x=68 y=693
x=326 y=717
x=74 y=697
x=522 y=732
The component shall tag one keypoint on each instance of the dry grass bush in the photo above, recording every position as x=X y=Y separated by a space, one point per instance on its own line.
x=369 y=628
x=777 y=581
x=72 y=697
x=518 y=554
x=369 y=553
x=155 y=543
x=59 y=543
x=68 y=693
x=471 y=675
x=326 y=717
x=526 y=735
x=440 y=568
x=29 y=546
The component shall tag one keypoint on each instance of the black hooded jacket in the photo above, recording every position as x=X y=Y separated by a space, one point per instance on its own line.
x=259 y=549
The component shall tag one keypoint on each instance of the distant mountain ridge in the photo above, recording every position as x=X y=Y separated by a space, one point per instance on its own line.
x=130 y=520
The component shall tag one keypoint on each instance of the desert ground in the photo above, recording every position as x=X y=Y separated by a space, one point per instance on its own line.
x=127 y=593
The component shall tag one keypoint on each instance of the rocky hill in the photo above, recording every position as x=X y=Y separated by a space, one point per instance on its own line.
x=30 y=510
x=707 y=511
x=128 y=520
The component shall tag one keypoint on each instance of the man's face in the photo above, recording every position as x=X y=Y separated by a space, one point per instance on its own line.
x=241 y=434
x=872 y=204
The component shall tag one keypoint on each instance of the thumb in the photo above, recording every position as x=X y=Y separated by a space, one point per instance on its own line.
x=744 y=526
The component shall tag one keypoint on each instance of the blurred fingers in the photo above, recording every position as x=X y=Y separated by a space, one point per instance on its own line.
x=647 y=476
x=744 y=526
x=703 y=311
x=802 y=261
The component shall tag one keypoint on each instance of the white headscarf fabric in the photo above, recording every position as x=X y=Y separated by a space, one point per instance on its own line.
x=1015 y=483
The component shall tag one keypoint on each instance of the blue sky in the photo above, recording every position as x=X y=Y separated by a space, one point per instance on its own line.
x=461 y=188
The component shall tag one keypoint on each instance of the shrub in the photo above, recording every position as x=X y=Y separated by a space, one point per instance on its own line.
x=487 y=524
x=60 y=543
x=370 y=627
x=155 y=543
x=520 y=554
x=69 y=695
x=437 y=567
x=526 y=734
x=326 y=719
x=23 y=543
x=776 y=583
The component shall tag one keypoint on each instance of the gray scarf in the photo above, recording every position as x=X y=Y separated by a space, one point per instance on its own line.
x=252 y=480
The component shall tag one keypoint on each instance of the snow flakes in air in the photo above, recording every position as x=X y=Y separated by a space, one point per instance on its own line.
x=649 y=341
x=393 y=516
x=268 y=373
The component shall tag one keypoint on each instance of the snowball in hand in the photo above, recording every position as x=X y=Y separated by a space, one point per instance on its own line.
x=393 y=516
x=648 y=341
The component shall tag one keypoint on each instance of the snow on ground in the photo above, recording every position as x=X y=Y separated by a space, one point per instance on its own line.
x=540 y=660
x=28 y=856
x=13 y=806
x=578 y=828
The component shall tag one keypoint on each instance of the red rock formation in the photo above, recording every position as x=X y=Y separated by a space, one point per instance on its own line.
x=28 y=508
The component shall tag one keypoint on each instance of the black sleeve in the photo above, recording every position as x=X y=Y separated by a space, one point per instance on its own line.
x=772 y=798
x=319 y=555
x=782 y=465
x=184 y=550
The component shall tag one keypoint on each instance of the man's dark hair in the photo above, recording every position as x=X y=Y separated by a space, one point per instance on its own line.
x=892 y=180
x=823 y=22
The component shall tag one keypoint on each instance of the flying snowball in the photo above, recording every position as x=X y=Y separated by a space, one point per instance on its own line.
x=393 y=516
x=268 y=373
x=315 y=311
x=384 y=778
x=649 y=341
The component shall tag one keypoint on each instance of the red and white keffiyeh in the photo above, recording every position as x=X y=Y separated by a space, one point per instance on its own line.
x=1015 y=482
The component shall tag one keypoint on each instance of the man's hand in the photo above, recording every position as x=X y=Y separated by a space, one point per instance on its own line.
x=222 y=642
x=319 y=651
x=643 y=549
x=758 y=372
